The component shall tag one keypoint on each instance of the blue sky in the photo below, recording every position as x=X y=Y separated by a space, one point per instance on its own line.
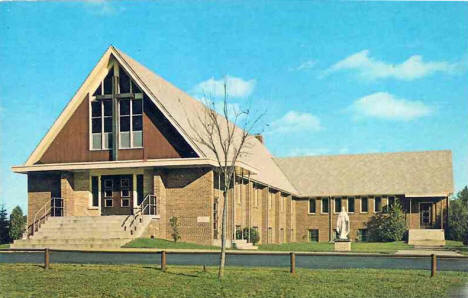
x=334 y=77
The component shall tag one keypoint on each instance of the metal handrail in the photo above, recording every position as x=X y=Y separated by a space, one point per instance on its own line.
x=55 y=207
x=147 y=207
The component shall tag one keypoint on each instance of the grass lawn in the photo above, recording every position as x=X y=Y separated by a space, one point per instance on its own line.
x=383 y=247
x=19 y=280
x=161 y=243
x=457 y=245
x=4 y=245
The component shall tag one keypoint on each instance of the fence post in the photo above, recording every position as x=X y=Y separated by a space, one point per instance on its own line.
x=46 y=258
x=292 y=267
x=163 y=261
x=433 y=265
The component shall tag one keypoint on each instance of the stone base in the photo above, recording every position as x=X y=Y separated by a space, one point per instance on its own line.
x=342 y=245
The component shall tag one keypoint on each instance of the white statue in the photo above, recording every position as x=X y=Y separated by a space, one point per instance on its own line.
x=342 y=225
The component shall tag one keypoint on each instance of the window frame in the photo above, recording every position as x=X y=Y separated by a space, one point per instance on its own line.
x=354 y=204
x=381 y=204
x=310 y=234
x=334 y=205
x=315 y=206
x=367 y=199
x=131 y=115
x=321 y=205
x=102 y=117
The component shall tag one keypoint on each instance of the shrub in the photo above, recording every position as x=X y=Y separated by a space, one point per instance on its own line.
x=386 y=227
x=458 y=220
x=175 y=228
x=4 y=226
x=244 y=234
x=17 y=223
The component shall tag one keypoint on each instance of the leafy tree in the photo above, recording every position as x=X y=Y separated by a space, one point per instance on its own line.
x=458 y=217
x=17 y=223
x=175 y=228
x=4 y=227
x=254 y=235
x=387 y=227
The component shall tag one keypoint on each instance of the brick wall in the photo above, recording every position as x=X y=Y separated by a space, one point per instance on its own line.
x=41 y=187
x=189 y=196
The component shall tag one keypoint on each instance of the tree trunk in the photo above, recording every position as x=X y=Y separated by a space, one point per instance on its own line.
x=223 y=236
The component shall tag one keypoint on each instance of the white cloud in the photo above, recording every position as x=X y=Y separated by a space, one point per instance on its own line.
x=413 y=68
x=295 y=121
x=305 y=65
x=236 y=87
x=103 y=7
x=386 y=106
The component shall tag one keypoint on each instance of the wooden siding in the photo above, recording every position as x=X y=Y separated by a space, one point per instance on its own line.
x=160 y=140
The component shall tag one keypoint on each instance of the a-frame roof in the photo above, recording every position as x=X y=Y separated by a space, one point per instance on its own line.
x=178 y=107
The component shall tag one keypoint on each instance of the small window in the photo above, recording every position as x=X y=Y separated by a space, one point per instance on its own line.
x=364 y=205
x=125 y=202
x=314 y=235
x=95 y=191
x=124 y=183
x=324 y=205
x=108 y=202
x=378 y=204
x=125 y=193
x=338 y=205
x=312 y=206
x=108 y=184
x=238 y=232
x=362 y=235
x=351 y=205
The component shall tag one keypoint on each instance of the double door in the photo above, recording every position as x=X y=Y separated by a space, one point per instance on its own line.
x=117 y=195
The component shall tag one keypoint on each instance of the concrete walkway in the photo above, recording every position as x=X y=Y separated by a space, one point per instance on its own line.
x=427 y=252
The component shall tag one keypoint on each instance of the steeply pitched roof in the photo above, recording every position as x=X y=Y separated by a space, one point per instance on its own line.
x=184 y=110
x=180 y=109
x=410 y=173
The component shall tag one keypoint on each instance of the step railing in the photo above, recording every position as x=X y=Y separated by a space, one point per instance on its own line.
x=148 y=206
x=55 y=207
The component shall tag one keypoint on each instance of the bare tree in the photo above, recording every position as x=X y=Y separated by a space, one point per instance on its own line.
x=227 y=136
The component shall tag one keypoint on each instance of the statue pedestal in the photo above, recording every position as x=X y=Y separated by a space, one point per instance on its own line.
x=342 y=245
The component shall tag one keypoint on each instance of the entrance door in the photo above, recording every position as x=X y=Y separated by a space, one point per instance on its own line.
x=425 y=214
x=117 y=195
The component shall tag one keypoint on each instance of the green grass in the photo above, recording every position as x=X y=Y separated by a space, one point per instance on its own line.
x=4 y=245
x=457 y=246
x=370 y=247
x=19 y=280
x=164 y=244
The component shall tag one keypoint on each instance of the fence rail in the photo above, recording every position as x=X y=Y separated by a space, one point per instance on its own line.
x=292 y=260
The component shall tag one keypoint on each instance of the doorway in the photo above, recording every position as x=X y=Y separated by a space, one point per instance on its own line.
x=425 y=215
x=117 y=195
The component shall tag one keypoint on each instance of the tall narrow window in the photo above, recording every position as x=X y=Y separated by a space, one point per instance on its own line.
x=378 y=204
x=101 y=124
x=131 y=123
x=140 y=195
x=364 y=204
x=325 y=205
x=338 y=205
x=351 y=205
x=95 y=191
x=312 y=206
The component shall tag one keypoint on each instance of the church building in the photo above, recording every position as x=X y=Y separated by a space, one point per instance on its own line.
x=122 y=159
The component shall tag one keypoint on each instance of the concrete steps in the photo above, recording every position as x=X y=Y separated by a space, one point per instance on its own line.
x=428 y=238
x=243 y=244
x=84 y=232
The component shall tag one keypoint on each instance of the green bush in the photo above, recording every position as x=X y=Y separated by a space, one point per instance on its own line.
x=244 y=234
x=387 y=227
x=175 y=228
x=17 y=223
x=458 y=220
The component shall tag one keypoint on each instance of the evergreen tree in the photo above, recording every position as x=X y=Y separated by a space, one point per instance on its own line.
x=387 y=227
x=17 y=223
x=4 y=238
